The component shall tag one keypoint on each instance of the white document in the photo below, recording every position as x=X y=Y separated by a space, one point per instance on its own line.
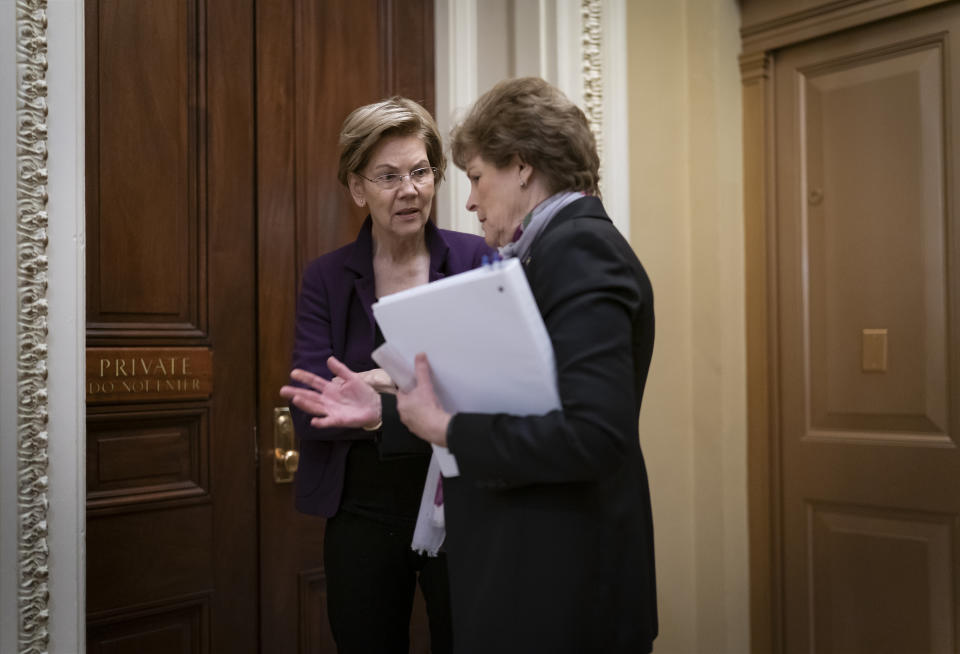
x=483 y=335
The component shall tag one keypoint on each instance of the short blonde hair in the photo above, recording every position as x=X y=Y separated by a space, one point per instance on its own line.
x=534 y=120
x=366 y=126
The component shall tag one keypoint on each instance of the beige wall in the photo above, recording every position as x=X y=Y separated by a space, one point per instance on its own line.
x=687 y=227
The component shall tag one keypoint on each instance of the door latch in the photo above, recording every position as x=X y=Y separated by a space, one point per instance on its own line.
x=285 y=454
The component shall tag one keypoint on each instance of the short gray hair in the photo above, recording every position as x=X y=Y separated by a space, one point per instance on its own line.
x=366 y=126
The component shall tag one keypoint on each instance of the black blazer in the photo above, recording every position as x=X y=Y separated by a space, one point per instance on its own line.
x=549 y=530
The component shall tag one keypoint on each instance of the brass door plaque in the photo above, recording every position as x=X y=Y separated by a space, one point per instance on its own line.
x=143 y=374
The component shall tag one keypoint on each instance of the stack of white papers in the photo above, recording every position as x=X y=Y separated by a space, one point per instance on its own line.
x=483 y=335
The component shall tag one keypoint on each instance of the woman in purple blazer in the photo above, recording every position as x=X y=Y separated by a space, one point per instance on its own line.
x=367 y=478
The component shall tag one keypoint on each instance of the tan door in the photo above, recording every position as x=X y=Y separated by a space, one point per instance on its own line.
x=868 y=169
x=211 y=156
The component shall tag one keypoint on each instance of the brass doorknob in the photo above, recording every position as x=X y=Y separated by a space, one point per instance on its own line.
x=291 y=459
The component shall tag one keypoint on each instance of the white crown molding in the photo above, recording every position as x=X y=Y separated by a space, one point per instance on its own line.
x=591 y=65
x=32 y=454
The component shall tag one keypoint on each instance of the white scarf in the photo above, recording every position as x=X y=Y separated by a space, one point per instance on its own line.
x=429 y=532
x=536 y=220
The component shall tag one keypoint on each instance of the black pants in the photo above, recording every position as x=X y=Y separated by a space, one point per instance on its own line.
x=371 y=579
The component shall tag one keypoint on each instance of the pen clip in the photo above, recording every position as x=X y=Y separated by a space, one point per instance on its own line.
x=491 y=261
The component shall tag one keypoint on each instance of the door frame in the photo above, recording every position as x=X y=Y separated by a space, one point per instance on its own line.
x=42 y=342
x=761 y=36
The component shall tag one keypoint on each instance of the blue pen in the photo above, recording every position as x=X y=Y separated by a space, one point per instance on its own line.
x=485 y=260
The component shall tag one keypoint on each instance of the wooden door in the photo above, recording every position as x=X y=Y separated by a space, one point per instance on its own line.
x=211 y=180
x=316 y=61
x=171 y=327
x=867 y=145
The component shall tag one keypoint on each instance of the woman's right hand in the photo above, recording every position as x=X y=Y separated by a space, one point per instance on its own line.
x=345 y=401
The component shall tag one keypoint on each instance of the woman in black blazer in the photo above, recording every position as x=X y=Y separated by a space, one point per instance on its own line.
x=549 y=528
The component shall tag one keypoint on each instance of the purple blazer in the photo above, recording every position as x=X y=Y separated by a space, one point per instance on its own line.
x=334 y=316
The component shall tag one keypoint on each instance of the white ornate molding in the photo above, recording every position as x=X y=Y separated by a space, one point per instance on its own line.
x=32 y=503
x=592 y=66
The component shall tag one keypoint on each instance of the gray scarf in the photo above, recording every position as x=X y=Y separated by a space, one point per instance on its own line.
x=535 y=221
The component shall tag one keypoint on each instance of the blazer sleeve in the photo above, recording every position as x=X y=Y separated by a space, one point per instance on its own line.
x=312 y=347
x=589 y=295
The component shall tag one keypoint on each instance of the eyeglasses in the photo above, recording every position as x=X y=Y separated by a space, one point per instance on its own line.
x=393 y=181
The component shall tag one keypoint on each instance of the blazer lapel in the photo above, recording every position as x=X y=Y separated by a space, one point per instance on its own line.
x=360 y=263
x=438 y=251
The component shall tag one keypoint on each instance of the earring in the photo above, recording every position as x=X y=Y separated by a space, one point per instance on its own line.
x=523 y=184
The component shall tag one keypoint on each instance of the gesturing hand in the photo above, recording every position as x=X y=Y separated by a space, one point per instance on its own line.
x=420 y=410
x=347 y=401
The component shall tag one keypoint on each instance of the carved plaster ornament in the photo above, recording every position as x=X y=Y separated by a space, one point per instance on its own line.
x=32 y=503
x=591 y=39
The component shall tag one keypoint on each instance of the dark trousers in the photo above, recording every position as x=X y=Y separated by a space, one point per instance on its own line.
x=371 y=579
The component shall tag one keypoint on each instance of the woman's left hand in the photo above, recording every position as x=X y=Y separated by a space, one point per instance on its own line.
x=420 y=409
x=378 y=380
x=346 y=401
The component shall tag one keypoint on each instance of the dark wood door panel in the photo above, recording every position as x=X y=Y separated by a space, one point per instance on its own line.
x=316 y=61
x=340 y=40
x=180 y=626
x=142 y=456
x=146 y=556
x=171 y=519
x=145 y=182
